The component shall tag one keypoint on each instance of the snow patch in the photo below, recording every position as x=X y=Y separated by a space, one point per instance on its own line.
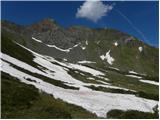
x=22 y=64
x=133 y=72
x=91 y=100
x=140 y=49
x=103 y=78
x=85 y=69
x=36 y=40
x=64 y=59
x=150 y=82
x=63 y=50
x=86 y=42
x=134 y=76
x=104 y=82
x=83 y=48
x=60 y=72
x=109 y=59
x=98 y=42
x=81 y=62
x=114 y=68
x=116 y=43
x=90 y=78
x=51 y=70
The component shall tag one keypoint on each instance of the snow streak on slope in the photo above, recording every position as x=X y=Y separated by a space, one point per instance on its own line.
x=93 y=101
x=36 y=39
x=54 y=46
x=63 y=50
x=133 y=72
x=150 y=82
x=85 y=61
x=114 y=68
x=61 y=74
x=86 y=42
x=109 y=59
x=68 y=65
x=56 y=72
x=134 y=76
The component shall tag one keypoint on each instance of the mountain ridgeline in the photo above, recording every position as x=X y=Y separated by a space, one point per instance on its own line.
x=49 y=71
x=128 y=52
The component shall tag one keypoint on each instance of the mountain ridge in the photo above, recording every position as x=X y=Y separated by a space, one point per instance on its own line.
x=103 y=69
x=55 y=23
x=101 y=40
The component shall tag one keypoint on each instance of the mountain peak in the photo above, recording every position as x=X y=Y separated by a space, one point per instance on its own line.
x=48 y=21
x=46 y=24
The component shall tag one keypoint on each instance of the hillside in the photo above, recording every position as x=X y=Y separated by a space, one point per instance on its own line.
x=87 y=73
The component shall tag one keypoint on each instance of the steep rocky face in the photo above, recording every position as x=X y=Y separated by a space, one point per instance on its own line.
x=79 y=43
x=51 y=33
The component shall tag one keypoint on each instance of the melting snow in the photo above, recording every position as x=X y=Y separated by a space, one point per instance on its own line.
x=116 y=43
x=103 y=78
x=85 y=62
x=60 y=73
x=133 y=72
x=103 y=82
x=64 y=50
x=85 y=69
x=64 y=59
x=86 y=42
x=90 y=78
x=109 y=59
x=36 y=39
x=140 y=49
x=22 y=64
x=83 y=48
x=150 y=82
x=93 y=101
x=114 y=68
x=134 y=76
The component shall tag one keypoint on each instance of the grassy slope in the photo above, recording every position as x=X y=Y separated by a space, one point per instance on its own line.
x=131 y=114
x=24 y=101
x=127 y=56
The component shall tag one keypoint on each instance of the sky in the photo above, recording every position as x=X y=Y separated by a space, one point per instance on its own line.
x=137 y=18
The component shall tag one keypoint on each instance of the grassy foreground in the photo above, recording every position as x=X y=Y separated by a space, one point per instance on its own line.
x=132 y=114
x=25 y=101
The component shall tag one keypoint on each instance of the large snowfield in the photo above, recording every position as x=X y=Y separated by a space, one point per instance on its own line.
x=94 y=101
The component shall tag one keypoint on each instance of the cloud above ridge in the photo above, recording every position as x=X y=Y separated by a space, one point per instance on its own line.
x=93 y=10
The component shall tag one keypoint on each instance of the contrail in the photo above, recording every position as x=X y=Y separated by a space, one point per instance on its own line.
x=130 y=22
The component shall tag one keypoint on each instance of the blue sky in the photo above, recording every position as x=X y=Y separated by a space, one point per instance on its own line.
x=139 y=19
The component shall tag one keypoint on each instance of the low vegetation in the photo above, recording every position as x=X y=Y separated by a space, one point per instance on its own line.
x=20 y=100
x=131 y=114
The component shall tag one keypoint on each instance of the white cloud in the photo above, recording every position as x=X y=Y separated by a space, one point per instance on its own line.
x=93 y=10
